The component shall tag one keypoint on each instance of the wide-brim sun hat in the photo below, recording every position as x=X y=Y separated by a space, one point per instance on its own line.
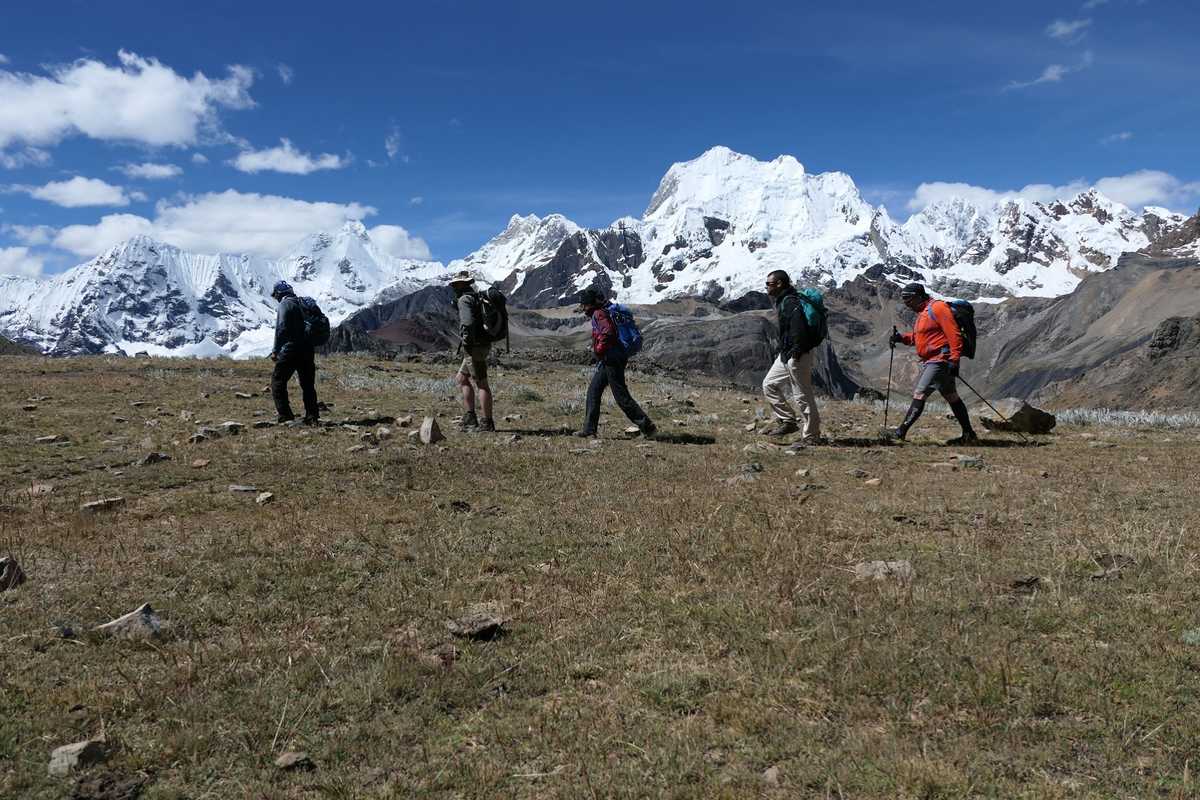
x=461 y=277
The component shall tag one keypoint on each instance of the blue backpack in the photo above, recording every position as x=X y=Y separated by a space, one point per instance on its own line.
x=627 y=329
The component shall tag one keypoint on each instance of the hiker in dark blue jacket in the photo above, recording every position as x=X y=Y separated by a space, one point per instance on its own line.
x=292 y=354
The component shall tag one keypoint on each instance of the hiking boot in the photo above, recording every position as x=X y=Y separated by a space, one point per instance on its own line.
x=584 y=434
x=487 y=425
x=781 y=429
x=468 y=422
x=283 y=418
x=968 y=438
x=649 y=430
x=311 y=421
x=893 y=434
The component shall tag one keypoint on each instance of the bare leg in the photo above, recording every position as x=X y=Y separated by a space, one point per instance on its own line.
x=468 y=393
x=485 y=400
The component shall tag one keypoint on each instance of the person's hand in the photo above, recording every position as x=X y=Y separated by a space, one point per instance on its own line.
x=953 y=369
x=274 y=356
x=895 y=338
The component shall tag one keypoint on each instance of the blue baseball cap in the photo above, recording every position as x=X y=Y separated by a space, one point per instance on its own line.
x=282 y=288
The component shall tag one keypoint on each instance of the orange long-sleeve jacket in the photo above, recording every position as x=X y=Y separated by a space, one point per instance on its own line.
x=936 y=335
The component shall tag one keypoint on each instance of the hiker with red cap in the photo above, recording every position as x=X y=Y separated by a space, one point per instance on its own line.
x=939 y=344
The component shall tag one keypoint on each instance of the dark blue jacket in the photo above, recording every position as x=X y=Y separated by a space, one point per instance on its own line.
x=289 y=330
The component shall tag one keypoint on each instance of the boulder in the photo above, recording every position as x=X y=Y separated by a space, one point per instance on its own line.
x=1021 y=418
x=141 y=623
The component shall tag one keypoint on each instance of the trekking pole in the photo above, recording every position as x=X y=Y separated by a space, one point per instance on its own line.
x=887 y=398
x=993 y=408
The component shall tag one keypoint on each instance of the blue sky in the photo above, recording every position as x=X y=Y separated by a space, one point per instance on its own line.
x=434 y=122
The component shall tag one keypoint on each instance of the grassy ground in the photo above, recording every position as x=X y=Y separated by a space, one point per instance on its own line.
x=671 y=634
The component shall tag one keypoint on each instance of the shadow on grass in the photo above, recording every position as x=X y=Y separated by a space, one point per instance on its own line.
x=683 y=438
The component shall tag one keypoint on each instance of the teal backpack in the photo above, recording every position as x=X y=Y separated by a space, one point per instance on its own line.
x=814 y=314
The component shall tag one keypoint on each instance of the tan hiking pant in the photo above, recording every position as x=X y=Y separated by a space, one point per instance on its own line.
x=789 y=388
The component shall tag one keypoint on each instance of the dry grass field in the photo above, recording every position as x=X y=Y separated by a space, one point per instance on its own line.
x=668 y=632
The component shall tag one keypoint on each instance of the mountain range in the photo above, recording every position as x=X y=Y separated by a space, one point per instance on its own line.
x=694 y=261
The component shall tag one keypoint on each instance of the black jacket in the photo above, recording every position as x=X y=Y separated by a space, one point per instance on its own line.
x=794 y=334
x=289 y=330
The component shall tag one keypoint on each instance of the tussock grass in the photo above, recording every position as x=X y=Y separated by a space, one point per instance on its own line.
x=671 y=635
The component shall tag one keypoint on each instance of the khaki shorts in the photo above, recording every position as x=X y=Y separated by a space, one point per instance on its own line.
x=474 y=363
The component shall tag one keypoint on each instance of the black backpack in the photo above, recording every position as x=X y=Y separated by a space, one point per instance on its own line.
x=493 y=315
x=964 y=315
x=316 y=324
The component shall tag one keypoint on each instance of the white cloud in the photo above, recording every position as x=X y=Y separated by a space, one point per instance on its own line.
x=1123 y=136
x=199 y=158
x=149 y=171
x=1149 y=187
x=76 y=192
x=26 y=157
x=30 y=234
x=400 y=243
x=19 y=261
x=1068 y=30
x=286 y=158
x=392 y=142
x=1053 y=73
x=1136 y=189
x=286 y=74
x=112 y=229
x=416 y=201
x=1090 y=4
x=3 y=58
x=928 y=193
x=218 y=222
x=141 y=100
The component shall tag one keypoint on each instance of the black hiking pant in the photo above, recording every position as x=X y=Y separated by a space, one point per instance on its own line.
x=305 y=367
x=610 y=373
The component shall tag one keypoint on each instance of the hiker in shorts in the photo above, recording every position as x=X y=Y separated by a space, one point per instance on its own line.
x=788 y=385
x=939 y=345
x=611 y=360
x=475 y=348
x=292 y=354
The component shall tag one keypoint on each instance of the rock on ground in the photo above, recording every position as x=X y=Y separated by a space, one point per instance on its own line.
x=264 y=498
x=1022 y=418
x=482 y=621
x=294 y=761
x=11 y=574
x=237 y=487
x=881 y=570
x=430 y=432
x=154 y=458
x=105 y=504
x=66 y=759
x=141 y=623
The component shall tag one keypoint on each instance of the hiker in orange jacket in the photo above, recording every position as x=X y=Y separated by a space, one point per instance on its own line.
x=939 y=346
